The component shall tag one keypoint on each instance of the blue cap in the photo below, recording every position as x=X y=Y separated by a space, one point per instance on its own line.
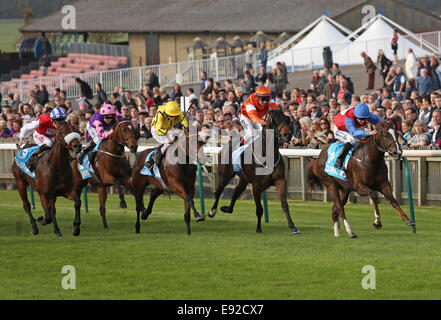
x=58 y=113
x=361 y=111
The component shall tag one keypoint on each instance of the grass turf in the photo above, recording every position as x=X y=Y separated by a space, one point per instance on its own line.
x=224 y=258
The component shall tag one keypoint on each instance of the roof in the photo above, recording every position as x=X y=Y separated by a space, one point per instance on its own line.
x=162 y=16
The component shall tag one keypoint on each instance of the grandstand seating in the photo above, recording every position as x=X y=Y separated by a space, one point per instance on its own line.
x=73 y=63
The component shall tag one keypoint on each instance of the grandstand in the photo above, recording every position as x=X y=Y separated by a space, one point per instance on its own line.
x=74 y=64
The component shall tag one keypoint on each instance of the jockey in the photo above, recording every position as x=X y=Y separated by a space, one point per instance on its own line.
x=99 y=127
x=45 y=129
x=169 y=116
x=349 y=125
x=254 y=109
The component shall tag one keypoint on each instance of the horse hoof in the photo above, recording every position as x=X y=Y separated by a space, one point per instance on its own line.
x=200 y=218
x=144 y=214
x=295 y=231
x=42 y=221
x=123 y=205
x=410 y=223
x=212 y=213
x=58 y=234
x=353 y=236
x=34 y=231
x=377 y=226
x=226 y=209
x=137 y=230
x=258 y=230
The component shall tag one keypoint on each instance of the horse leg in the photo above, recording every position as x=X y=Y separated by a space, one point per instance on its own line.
x=259 y=210
x=77 y=221
x=386 y=189
x=155 y=193
x=187 y=217
x=241 y=186
x=224 y=179
x=122 y=201
x=22 y=190
x=47 y=214
x=281 y=188
x=338 y=209
x=190 y=201
x=102 y=194
x=377 y=221
x=139 y=189
x=54 y=220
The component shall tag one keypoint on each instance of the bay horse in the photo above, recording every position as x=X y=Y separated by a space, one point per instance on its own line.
x=53 y=178
x=110 y=164
x=366 y=174
x=178 y=177
x=277 y=121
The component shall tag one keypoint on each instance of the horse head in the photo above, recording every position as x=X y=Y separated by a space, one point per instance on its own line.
x=386 y=138
x=68 y=138
x=279 y=122
x=124 y=134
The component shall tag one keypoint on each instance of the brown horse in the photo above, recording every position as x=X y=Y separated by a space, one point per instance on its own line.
x=53 y=178
x=178 y=177
x=277 y=121
x=110 y=164
x=366 y=174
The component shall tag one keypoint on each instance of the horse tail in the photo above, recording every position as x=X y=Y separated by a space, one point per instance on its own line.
x=313 y=182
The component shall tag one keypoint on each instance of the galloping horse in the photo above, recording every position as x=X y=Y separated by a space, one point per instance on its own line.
x=277 y=121
x=366 y=173
x=110 y=164
x=177 y=177
x=53 y=178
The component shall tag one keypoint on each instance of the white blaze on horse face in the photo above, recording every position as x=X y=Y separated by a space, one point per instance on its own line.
x=392 y=133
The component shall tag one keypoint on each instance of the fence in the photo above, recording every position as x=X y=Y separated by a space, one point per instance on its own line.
x=184 y=73
x=100 y=49
x=424 y=165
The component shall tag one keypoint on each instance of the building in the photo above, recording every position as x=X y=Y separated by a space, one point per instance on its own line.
x=159 y=30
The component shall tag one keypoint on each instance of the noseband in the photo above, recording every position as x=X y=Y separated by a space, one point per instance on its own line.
x=121 y=137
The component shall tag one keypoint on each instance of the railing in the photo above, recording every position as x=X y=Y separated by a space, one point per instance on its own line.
x=184 y=73
x=100 y=49
x=424 y=165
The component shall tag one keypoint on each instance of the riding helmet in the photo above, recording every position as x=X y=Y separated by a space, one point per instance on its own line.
x=361 y=111
x=58 y=113
x=263 y=91
x=107 y=109
x=172 y=109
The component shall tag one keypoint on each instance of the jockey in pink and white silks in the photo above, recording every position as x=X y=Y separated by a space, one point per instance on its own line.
x=99 y=127
x=349 y=125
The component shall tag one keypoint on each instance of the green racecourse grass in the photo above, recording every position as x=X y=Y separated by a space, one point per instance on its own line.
x=224 y=258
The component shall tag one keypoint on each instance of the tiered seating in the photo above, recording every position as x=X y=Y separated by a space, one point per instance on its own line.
x=73 y=63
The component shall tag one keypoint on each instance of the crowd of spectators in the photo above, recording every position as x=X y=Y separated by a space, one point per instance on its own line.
x=216 y=105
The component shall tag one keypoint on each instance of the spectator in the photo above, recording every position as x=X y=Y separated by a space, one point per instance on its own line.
x=280 y=82
x=177 y=93
x=426 y=110
x=420 y=135
x=390 y=79
x=344 y=93
x=436 y=126
x=335 y=70
x=261 y=76
x=411 y=114
x=191 y=94
x=305 y=124
x=69 y=107
x=433 y=65
x=152 y=79
x=271 y=82
x=163 y=95
x=329 y=87
x=204 y=82
x=85 y=91
x=385 y=64
x=249 y=54
x=326 y=130
x=314 y=111
x=130 y=102
x=410 y=86
x=140 y=103
x=115 y=101
x=424 y=83
x=146 y=128
x=16 y=127
x=4 y=130
x=370 y=69
x=221 y=99
x=125 y=111
x=247 y=82
x=394 y=45
x=134 y=114
x=74 y=120
x=411 y=66
x=101 y=95
x=263 y=55
x=406 y=126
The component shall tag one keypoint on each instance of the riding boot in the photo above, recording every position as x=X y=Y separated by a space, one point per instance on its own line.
x=32 y=162
x=156 y=157
x=85 y=151
x=341 y=158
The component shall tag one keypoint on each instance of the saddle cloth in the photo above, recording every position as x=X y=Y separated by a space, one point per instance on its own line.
x=86 y=169
x=22 y=157
x=333 y=152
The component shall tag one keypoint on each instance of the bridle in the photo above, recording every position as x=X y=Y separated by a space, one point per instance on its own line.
x=120 y=134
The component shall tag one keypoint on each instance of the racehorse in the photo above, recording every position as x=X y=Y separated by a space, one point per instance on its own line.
x=177 y=177
x=366 y=174
x=277 y=121
x=110 y=164
x=53 y=178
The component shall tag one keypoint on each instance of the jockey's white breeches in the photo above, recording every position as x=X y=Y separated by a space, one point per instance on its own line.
x=344 y=136
x=41 y=139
